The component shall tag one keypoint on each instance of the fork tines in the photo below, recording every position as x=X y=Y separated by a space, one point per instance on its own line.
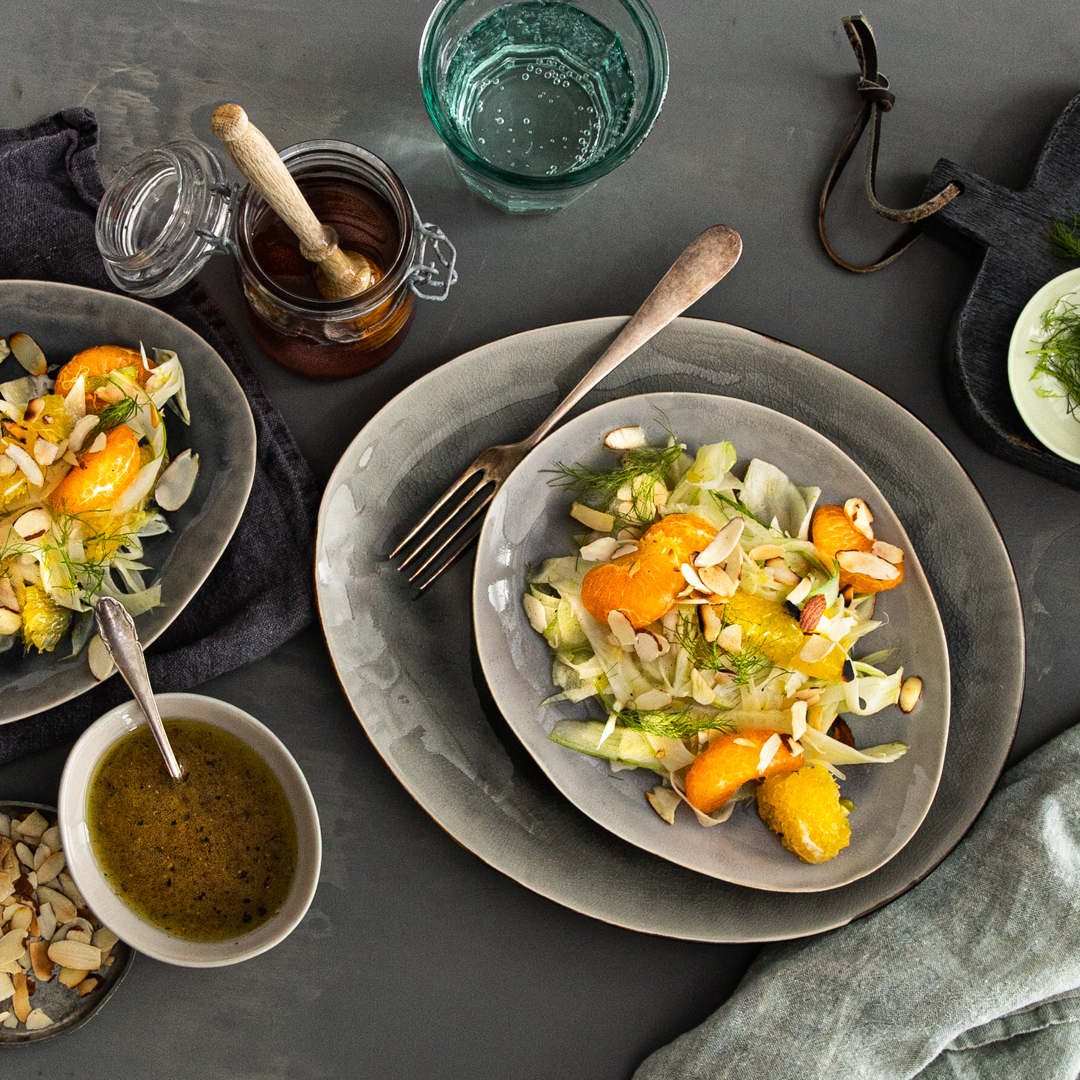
x=446 y=530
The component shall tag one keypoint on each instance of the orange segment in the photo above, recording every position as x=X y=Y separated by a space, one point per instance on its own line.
x=100 y=361
x=832 y=531
x=725 y=765
x=643 y=585
x=102 y=476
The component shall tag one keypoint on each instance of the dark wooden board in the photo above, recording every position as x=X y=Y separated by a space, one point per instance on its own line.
x=1009 y=228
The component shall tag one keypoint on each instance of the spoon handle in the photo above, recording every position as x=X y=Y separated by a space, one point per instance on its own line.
x=117 y=629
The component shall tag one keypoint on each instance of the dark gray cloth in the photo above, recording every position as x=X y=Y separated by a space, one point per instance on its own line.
x=261 y=592
x=972 y=975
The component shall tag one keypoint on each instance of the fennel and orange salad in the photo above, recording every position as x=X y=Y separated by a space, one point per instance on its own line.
x=84 y=477
x=714 y=621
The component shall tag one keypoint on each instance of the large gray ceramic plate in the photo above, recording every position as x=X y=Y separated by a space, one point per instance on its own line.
x=65 y=319
x=529 y=522
x=408 y=666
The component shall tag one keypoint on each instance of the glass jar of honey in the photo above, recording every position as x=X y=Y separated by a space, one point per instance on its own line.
x=170 y=209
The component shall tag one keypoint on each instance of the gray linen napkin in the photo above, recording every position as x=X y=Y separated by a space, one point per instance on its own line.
x=975 y=973
x=261 y=592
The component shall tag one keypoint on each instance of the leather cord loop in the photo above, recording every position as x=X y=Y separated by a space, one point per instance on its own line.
x=877 y=97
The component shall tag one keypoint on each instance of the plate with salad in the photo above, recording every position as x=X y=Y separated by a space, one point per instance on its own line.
x=711 y=631
x=126 y=458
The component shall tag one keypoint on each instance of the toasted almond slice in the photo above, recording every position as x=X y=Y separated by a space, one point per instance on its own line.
x=711 y=623
x=811 y=695
x=622 y=628
x=7 y=466
x=650 y=646
x=20 y=1004
x=39 y=957
x=592 y=519
x=71 y=977
x=863 y=562
x=701 y=691
x=600 y=550
x=766 y=551
x=733 y=565
x=75 y=954
x=800 y=592
x=889 y=552
x=910 y=693
x=780 y=573
x=26 y=856
x=630 y=437
x=77 y=934
x=82 y=428
x=692 y=579
x=811 y=614
x=34 y=826
x=815 y=649
x=175 y=484
x=31 y=469
x=625 y=549
x=50 y=836
x=717 y=581
x=70 y=890
x=45 y=452
x=722 y=544
x=730 y=639
x=860 y=517
x=105 y=939
x=768 y=751
x=62 y=907
x=50 y=867
x=10 y=621
x=743 y=742
x=29 y=354
x=653 y=699
x=6 y=989
x=46 y=921
x=37 y=1019
x=102 y=666
x=88 y=985
x=22 y=919
x=664 y=801
x=798 y=719
x=660 y=494
x=41 y=853
x=98 y=444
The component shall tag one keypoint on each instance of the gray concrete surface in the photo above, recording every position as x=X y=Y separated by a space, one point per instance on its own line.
x=417 y=960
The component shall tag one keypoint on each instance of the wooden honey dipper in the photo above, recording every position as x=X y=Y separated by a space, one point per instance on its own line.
x=339 y=274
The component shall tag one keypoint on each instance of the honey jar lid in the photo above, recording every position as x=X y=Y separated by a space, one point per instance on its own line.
x=162 y=216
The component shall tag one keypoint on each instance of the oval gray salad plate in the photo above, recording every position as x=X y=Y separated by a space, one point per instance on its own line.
x=409 y=669
x=529 y=522
x=65 y=319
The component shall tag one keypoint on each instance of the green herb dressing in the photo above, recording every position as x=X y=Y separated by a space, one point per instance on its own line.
x=207 y=858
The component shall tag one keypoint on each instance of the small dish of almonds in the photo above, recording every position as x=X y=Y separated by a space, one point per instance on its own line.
x=58 y=963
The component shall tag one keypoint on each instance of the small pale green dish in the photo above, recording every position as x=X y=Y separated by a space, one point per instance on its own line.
x=1047 y=418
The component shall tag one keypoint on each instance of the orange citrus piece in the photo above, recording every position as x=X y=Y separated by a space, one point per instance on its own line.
x=725 y=765
x=644 y=584
x=100 y=361
x=102 y=477
x=832 y=531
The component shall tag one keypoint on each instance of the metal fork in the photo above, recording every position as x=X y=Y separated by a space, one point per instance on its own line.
x=448 y=528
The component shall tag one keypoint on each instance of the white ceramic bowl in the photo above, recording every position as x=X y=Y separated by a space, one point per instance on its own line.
x=113 y=911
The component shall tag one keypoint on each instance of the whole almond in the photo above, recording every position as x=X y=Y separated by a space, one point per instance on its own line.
x=812 y=612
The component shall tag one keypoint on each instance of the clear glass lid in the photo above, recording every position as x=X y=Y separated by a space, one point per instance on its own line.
x=162 y=216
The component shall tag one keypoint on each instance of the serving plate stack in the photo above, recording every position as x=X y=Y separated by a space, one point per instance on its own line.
x=410 y=669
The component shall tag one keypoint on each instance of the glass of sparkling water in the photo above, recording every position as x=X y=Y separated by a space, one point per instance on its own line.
x=537 y=99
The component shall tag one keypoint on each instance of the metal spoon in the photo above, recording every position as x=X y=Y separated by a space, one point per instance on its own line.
x=117 y=629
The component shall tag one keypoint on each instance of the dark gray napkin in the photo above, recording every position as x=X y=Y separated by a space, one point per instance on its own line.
x=261 y=592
